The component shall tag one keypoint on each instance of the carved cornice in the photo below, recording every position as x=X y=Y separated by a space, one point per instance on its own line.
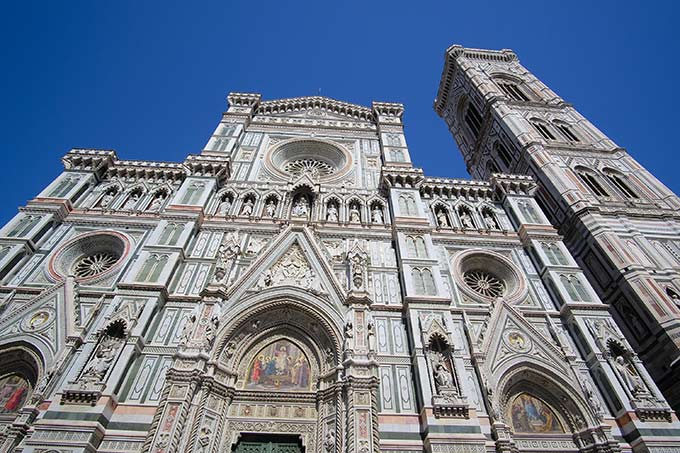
x=394 y=176
x=205 y=165
x=90 y=160
x=315 y=102
x=456 y=188
x=244 y=99
x=513 y=184
x=388 y=109
x=146 y=170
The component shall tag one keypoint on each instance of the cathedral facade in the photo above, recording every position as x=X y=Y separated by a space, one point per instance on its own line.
x=300 y=286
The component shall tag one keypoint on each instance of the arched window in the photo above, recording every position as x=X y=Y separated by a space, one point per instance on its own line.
x=193 y=193
x=473 y=120
x=64 y=186
x=418 y=283
x=421 y=251
x=397 y=155
x=160 y=265
x=543 y=129
x=554 y=254
x=574 y=287
x=503 y=154
x=147 y=268
x=619 y=181
x=24 y=226
x=171 y=234
x=512 y=90
x=566 y=131
x=528 y=212
x=407 y=205
x=590 y=179
x=411 y=246
x=428 y=283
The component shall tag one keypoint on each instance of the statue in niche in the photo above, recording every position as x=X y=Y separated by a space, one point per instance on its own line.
x=301 y=207
x=489 y=221
x=224 y=207
x=329 y=441
x=442 y=219
x=332 y=213
x=626 y=370
x=157 y=202
x=442 y=376
x=188 y=328
x=107 y=199
x=270 y=209
x=377 y=216
x=99 y=364
x=593 y=400
x=349 y=336
x=247 y=208
x=370 y=332
x=357 y=259
x=213 y=325
x=466 y=219
x=227 y=252
x=131 y=202
x=354 y=215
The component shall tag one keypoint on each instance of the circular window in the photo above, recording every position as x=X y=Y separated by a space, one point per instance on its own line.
x=314 y=168
x=484 y=283
x=95 y=264
x=89 y=255
x=486 y=275
x=318 y=159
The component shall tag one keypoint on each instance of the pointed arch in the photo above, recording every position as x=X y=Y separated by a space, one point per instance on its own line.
x=621 y=182
x=560 y=395
x=108 y=194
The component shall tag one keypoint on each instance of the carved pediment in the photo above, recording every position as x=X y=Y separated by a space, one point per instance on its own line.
x=294 y=259
x=517 y=340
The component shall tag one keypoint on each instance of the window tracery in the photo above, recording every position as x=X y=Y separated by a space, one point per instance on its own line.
x=94 y=264
x=591 y=180
x=619 y=181
x=543 y=129
x=313 y=167
x=484 y=283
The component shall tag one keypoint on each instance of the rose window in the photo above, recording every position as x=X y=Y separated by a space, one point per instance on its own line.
x=484 y=283
x=95 y=264
x=312 y=167
x=318 y=159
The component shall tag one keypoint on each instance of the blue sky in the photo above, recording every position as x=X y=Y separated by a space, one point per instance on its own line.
x=149 y=79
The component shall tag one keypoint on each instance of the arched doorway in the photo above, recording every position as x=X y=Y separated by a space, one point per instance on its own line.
x=543 y=412
x=273 y=372
x=20 y=369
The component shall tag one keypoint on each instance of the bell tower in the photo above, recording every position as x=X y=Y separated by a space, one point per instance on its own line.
x=619 y=221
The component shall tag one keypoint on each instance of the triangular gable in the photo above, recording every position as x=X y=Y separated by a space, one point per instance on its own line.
x=43 y=318
x=518 y=341
x=293 y=259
